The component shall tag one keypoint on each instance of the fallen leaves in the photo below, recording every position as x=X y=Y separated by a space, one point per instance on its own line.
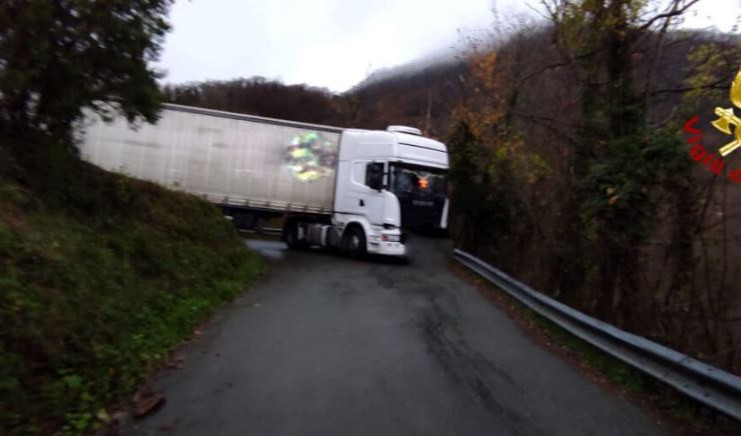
x=177 y=362
x=146 y=401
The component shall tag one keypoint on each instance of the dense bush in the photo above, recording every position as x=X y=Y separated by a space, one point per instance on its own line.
x=100 y=277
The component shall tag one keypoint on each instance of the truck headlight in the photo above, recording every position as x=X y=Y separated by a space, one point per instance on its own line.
x=390 y=238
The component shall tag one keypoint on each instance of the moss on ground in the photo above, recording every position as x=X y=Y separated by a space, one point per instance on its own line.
x=101 y=276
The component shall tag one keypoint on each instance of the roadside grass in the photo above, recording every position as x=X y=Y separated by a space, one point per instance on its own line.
x=101 y=276
x=685 y=416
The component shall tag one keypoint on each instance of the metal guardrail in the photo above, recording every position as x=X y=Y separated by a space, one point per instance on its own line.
x=711 y=386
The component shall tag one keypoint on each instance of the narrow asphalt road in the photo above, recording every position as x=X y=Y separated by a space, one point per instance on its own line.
x=325 y=345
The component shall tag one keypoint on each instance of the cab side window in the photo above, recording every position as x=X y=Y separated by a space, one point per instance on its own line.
x=374 y=175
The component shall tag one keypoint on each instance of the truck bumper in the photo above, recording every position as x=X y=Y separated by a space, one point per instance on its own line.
x=387 y=248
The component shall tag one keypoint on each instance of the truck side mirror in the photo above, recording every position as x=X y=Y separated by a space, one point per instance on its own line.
x=374 y=176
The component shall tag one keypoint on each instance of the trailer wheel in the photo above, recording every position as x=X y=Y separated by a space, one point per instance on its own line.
x=290 y=236
x=353 y=242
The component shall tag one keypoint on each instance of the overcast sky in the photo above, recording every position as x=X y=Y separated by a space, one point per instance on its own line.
x=336 y=43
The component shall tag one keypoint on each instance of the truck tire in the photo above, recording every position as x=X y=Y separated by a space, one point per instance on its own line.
x=353 y=242
x=290 y=236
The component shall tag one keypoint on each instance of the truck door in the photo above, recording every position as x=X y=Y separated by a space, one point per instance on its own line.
x=365 y=195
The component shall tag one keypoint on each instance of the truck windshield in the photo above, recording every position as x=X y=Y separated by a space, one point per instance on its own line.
x=422 y=181
x=421 y=193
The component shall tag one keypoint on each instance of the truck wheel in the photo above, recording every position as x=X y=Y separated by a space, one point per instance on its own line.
x=354 y=242
x=290 y=236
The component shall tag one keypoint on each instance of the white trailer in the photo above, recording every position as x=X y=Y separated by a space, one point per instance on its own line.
x=347 y=188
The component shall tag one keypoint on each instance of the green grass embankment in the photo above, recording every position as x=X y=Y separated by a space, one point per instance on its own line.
x=100 y=277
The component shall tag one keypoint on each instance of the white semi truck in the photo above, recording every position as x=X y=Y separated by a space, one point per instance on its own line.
x=346 y=188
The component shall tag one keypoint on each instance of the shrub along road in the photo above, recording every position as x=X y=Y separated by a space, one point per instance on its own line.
x=327 y=345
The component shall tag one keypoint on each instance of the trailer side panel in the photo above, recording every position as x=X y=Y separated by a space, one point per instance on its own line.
x=228 y=160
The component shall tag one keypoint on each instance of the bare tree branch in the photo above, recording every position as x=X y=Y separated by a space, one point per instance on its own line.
x=676 y=10
x=540 y=71
x=721 y=84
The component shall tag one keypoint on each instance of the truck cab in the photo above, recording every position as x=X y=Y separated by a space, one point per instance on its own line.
x=388 y=181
